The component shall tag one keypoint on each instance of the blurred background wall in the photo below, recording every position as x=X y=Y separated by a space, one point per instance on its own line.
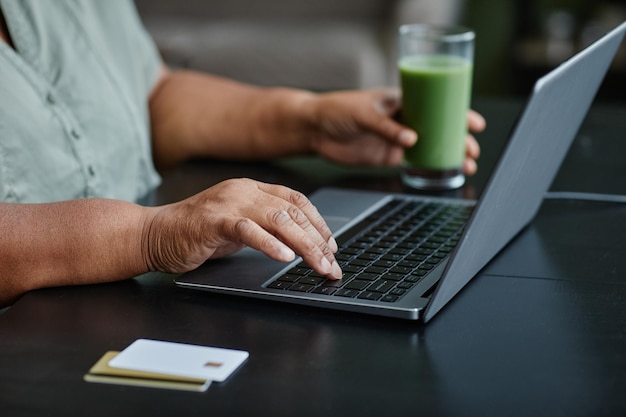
x=339 y=44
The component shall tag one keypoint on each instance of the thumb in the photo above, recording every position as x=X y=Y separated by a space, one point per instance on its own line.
x=387 y=103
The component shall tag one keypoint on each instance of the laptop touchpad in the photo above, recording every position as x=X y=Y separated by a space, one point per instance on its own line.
x=338 y=207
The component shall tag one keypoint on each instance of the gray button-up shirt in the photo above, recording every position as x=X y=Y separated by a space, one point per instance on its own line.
x=74 y=118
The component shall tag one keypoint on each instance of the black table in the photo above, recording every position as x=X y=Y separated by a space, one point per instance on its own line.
x=540 y=332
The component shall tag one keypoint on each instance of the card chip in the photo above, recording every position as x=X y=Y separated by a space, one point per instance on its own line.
x=213 y=364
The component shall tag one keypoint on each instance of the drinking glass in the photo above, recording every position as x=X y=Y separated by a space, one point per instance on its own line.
x=436 y=66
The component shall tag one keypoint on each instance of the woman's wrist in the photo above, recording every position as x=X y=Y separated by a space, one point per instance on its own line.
x=291 y=122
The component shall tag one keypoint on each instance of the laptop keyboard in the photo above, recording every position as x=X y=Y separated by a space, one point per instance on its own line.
x=387 y=253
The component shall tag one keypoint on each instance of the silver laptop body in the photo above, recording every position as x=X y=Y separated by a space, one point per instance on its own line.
x=525 y=170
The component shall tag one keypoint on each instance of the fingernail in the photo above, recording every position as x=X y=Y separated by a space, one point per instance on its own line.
x=408 y=137
x=337 y=273
x=332 y=244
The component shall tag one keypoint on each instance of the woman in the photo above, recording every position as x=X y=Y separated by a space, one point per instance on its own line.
x=89 y=113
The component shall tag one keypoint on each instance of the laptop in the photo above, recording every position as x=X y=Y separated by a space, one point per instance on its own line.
x=407 y=256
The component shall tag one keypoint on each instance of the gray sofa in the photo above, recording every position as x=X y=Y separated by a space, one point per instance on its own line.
x=319 y=45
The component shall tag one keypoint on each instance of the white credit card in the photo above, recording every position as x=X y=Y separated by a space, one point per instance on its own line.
x=180 y=359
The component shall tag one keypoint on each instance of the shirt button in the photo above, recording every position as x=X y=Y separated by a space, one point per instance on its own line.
x=75 y=134
x=50 y=98
x=91 y=171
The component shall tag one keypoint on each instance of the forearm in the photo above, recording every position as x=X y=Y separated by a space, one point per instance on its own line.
x=74 y=242
x=198 y=115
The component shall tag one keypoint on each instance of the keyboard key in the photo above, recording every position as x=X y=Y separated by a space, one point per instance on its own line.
x=343 y=256
x=352 y=268
x=421 y=251
x=390 y=298
x=345 y=292
x=324 y=290
x=279 y=285
x=392 y=276
x=384 y=263
x=289 y=278
x=368 y=295
x=360 y=262
x=357 y=284
x=311 y=280
x=385 y=244
x=413 y=278
x=338 y=282
x=392 y=257
x=376 y=270
x=415 y=257
x=300 y=287
x=401 y=270
x=368 y=276
x=299 y=270
x=408 y=264
x=377 y=250
x=381 y=286
x=400 y=251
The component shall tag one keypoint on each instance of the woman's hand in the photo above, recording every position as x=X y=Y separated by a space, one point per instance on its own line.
x=358 y=128
x=273 y=219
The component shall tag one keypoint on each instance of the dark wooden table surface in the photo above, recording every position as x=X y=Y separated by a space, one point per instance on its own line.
x=540 y=332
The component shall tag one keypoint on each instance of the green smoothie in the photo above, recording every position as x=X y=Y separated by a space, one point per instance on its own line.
x=436 y=94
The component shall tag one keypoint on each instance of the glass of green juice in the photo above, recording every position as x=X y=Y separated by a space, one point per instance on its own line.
x=436 y=65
